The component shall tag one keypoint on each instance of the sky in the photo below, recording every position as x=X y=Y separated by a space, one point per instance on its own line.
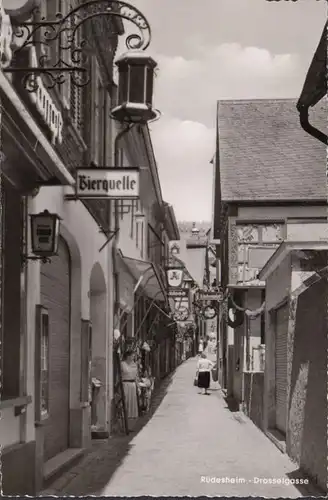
x=219 y=49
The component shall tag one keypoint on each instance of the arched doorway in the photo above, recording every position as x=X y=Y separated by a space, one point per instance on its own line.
x=99 y=348
x=56 y=297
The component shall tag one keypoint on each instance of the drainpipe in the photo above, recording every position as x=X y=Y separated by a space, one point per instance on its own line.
x=308 y=128
x=118 y=138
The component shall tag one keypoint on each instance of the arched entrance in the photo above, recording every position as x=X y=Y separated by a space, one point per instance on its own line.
x=98 y=308
x=56 y=297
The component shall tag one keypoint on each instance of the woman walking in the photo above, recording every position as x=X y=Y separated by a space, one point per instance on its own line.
x=204 y=367
x=130 y=379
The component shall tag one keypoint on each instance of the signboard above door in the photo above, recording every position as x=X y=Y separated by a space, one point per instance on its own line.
x=107 y=183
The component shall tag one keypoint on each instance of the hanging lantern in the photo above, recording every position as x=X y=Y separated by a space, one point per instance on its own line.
x=45 y=233
x=135 y=88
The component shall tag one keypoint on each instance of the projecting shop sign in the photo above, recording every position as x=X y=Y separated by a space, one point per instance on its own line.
x=104 y=183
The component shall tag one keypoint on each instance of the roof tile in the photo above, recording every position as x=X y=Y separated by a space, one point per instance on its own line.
x=264 y=153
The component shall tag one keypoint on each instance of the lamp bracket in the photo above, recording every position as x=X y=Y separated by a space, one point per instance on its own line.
x=66 y=31
x=112 y=235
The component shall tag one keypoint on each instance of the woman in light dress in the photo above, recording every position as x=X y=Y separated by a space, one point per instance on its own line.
x=204 y=367
x=129 y=371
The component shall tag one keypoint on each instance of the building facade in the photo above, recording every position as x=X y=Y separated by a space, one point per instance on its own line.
x=263 y=202
x=295 y=377
x=250 y=216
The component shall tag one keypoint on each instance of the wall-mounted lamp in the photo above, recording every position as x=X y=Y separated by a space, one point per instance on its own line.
x=44 y=236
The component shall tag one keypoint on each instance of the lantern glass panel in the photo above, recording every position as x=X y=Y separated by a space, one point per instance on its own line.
x=149 y=86
x=123 y=85
x=137 y=84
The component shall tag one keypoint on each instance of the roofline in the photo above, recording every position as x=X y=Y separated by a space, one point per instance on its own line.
x=284 y=249
x=255 y=99
x=261 y=202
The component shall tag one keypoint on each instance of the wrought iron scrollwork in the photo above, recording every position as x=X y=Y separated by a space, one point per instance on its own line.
x=73 y=47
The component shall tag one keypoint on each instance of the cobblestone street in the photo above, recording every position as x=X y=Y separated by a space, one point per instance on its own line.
x=190 y=444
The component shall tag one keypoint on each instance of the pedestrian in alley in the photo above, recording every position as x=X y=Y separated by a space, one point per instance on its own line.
x=130 y=384
x=204 y=367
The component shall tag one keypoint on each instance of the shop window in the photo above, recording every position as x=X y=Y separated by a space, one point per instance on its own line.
x=262 y=319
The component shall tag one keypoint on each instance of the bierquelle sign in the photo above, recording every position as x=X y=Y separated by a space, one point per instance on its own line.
x=109 y=182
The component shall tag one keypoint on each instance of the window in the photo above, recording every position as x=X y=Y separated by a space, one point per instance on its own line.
x=256 y=243
x=41 y=364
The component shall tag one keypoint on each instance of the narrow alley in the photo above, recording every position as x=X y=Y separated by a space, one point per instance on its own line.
x=192 y=445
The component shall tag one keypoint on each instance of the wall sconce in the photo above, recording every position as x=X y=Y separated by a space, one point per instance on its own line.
x=44 y=236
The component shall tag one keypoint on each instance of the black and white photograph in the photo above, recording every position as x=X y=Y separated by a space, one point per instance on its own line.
x=163 y=248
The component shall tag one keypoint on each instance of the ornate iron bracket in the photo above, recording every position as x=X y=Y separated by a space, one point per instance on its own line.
x=71 y=47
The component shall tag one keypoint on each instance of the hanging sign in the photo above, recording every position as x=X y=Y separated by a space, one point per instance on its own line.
x=108 y=182
x=179 y=293
x=218 y=296
x=175 y=277
x=176 y=250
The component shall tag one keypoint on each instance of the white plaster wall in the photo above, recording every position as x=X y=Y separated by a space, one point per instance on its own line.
x=84 y=239
x=9 y=427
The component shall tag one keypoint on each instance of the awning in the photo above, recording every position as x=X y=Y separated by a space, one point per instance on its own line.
x=146 y=277
x=45 y=163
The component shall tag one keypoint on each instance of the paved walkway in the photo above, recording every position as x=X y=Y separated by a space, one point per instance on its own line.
x=193 y=445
